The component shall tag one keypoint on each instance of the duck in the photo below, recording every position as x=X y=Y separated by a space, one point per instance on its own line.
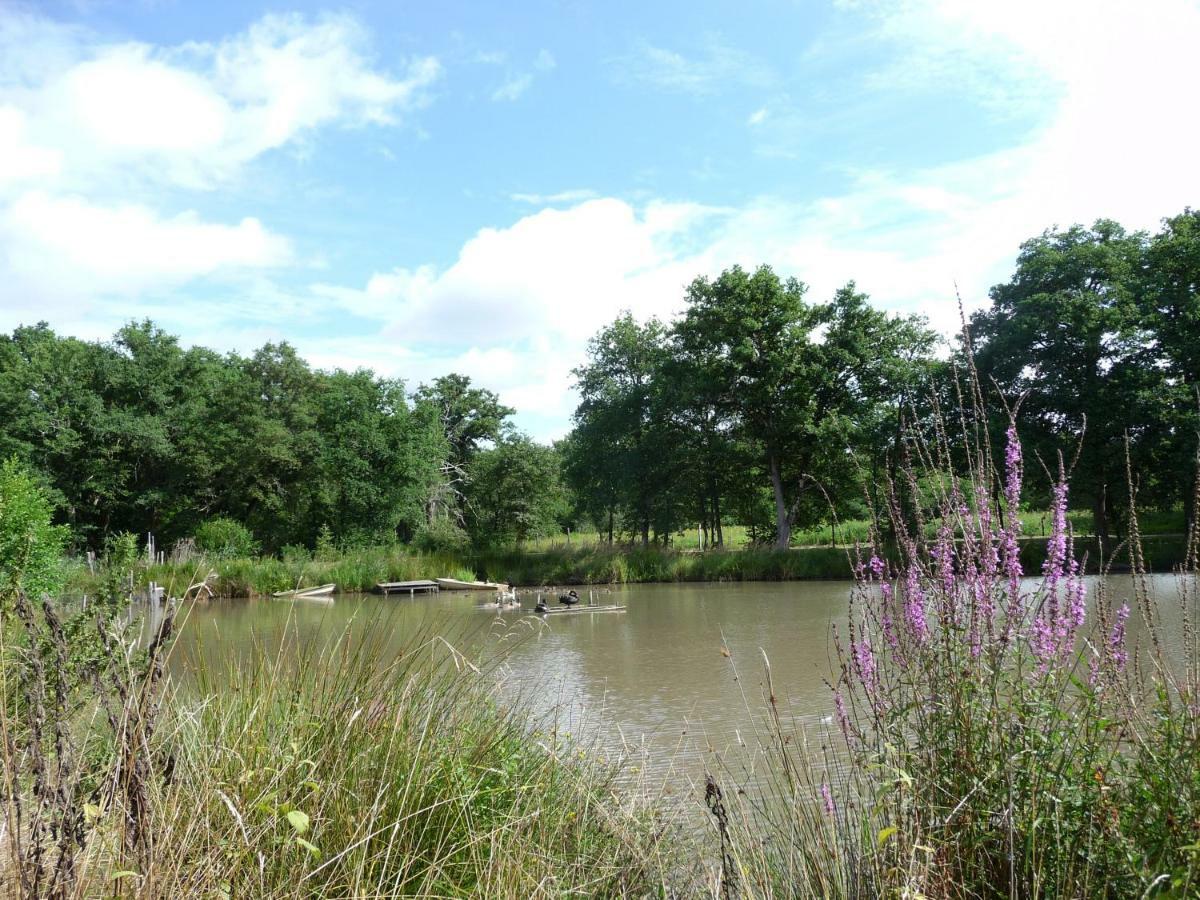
x=508 y=597
x=568 y=599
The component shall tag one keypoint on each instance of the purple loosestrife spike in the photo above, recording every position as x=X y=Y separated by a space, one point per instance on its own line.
x=842 y=717
x=914 y=606
x=1013 y=471
x=827 y=799
x=1010 y=547
x=1056 y=548
x=1043 y=643
x=885 y=617
x=1116 y=641
x=864 y=662
x=876 y=565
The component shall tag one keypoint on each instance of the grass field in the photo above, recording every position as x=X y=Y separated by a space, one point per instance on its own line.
x=1034 y=523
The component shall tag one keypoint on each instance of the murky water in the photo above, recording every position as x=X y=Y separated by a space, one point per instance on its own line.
x=679 y=678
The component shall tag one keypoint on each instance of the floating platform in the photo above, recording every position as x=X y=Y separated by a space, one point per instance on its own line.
x=562 y=611
x=453 y=584
x=407 y=587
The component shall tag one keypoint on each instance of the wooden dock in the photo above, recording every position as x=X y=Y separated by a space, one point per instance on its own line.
x=411 y=588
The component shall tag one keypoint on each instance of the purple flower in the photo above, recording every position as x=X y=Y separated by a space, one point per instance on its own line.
x=1013 y=473
x=876 y=566
x=827 y=799
x=1116 y=641
x=842 y=717
x=864 y=662
x=1043 y=642
x=914 y=606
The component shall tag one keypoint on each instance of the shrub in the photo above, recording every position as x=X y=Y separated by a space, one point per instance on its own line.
x=225 y=538
x=441 y=536
x=31 y=548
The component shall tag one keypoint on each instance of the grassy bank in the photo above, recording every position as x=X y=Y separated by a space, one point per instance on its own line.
x=335 y=771
x=361 y=570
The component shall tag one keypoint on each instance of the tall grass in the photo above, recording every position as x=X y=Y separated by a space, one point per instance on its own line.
x=990 y=738
x=340 y=770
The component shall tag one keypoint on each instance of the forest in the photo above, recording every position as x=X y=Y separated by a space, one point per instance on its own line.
x=759 y=406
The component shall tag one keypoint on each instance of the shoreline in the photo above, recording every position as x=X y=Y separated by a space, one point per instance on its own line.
x=358 y=571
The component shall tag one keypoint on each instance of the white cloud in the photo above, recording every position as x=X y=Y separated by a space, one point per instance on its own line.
x=194 y=114
x=757 y=117
x=67 y=244
x=513 y=87
x=94 y=132
x=573 y=195
x=710 y=68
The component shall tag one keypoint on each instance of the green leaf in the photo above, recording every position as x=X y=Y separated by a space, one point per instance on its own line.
x=298 y=821
x=311 y=848
x=885 y=834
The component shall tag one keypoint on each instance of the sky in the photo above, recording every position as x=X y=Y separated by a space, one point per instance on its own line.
x=424 y=188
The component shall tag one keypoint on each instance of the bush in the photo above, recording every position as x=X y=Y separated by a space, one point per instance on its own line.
x=441 y=536
x=31 y=548
x=225 y=538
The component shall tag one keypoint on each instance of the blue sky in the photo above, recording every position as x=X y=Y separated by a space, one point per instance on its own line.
x=478 y=187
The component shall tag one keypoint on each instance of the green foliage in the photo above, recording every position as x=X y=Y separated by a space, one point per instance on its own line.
x=441 y=536
x=142 y=435
x=31 y=548
x=515 y=494
x=223 y=538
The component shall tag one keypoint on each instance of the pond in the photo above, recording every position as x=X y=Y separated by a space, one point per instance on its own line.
x=678 y=679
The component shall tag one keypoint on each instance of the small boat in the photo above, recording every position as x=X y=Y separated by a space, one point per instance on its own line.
x=323 y=590
x=567 y=610
x=453 y=584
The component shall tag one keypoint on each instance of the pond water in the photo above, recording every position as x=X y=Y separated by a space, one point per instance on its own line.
x=678 y=679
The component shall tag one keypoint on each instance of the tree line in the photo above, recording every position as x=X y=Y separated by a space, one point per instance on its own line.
x=762 y=407
x=758 y=405
x=141 y=435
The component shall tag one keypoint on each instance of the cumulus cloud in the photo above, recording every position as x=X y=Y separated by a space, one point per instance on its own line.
x=194 y=114
x=1114 y=144
x=93 y=133
x=74 y=245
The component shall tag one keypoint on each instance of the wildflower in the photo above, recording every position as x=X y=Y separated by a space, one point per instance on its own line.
x=876 y=566
x=885 y=617
x=827 y=799
x=1116 y=641
x=864 y=662
x=842 y=717
x=1043 y=642
x=914 y=606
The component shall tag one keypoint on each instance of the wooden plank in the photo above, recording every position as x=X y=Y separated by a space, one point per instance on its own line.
x=412 y=587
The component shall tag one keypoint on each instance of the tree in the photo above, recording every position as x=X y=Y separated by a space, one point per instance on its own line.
x=624 y=455
x=516 y=492
x=470 y=417
x=1170 y=301
x=794 y=396
x=1065 y=333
